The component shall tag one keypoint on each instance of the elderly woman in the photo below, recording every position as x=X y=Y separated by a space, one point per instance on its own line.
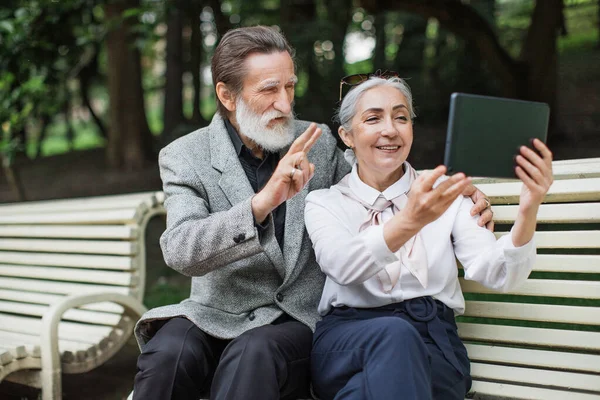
x=388 y=238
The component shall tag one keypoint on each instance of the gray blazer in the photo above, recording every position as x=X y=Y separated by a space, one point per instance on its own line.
x=239 y=280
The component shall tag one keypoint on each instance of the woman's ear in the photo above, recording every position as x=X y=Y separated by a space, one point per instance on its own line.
x=224 y=94
x=346 y=137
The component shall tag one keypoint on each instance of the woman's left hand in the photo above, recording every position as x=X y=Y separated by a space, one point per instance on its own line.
x=535 y=170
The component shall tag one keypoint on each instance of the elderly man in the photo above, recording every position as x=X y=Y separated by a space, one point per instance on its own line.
x=235 y=195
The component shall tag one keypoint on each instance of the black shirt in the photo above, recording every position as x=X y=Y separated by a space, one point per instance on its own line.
x=259 y=172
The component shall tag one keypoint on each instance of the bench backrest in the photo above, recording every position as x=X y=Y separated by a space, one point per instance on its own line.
x=552 y=322
x=52 y=249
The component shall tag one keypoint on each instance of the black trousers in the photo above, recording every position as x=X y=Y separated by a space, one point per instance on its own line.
x=182 y=362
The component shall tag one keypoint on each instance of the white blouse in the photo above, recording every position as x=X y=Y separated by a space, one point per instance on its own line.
x=352 y=259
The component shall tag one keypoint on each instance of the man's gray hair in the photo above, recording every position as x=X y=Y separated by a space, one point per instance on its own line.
x=227 y=64
x=347 y=109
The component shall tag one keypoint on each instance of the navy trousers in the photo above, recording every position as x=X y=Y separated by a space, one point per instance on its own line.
x=182 y=362
x=409 y=351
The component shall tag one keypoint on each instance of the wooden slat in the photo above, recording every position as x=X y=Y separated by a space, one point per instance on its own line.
x=570 y=263
x=66 y=330
x=5 y=356
x=571 y=169
x=127 y=232
x=505 y=390
x=31 y=343
x=564 y=239
x=558 y=379
x=531 y=336
x=571 y=190
x=134 y=200
x=47 y=299
x=534 y=312
x=534 y=358
x=543 y=287
x=69 y=274
x=36 y=310
x=80 y=217
x=553 y=213
x=70 y=246
x=39 y=286
x=576 y=161
x=69 y=260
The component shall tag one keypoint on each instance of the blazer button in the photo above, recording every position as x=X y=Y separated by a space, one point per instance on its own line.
x=251 y=316
x=279 y=297
x=239 y=238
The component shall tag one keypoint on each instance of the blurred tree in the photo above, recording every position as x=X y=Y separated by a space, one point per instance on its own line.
x=129 y=140
x=173 y=100
x=532 y=75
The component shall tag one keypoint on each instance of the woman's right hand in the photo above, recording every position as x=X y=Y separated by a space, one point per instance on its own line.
x=425 y=203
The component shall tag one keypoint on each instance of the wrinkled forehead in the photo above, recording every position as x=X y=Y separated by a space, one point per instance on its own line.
x=272 y=68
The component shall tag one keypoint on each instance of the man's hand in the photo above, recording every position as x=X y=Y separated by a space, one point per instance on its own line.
x=291 y=175
x=481 y=206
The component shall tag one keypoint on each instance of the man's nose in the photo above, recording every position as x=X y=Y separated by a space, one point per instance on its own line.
x=283 y=103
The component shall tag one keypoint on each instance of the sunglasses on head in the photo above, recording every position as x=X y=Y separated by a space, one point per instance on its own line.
x=357 y=79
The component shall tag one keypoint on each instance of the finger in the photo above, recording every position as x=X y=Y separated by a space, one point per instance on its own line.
x=470 y=191
x=490 y=226
x=486 y=217
x=527 y=180
x=297 y=180
x=312 y=171
x=543 y=149
x=301 y=140
x=303 y=165
x=430 y=177
x=313 y=139
x=456 y=189
x=533 y=157
x=531 y=170
x=480 y=206
x=446 y=184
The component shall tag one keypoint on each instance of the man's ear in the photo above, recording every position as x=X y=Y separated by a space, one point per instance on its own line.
x=224 y=94
x=346 y=137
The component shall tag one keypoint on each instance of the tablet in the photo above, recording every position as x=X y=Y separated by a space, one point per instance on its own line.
x=485 y=133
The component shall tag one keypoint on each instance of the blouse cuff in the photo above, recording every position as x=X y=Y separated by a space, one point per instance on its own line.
x=513 y=253
x=375 y=242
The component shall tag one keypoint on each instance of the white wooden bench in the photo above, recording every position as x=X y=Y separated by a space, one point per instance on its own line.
x=555 y=354
x=543 y=340
x=72 y=278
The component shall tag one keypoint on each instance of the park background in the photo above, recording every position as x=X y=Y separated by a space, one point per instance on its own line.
x=91 y=90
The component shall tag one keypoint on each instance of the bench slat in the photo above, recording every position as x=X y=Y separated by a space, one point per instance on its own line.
x=66 y=330
x=543 y=287
x=135 y=200
x=564 y=240
x=536 y=336
x=70 y=232
x=34 y=285
x=531 y=357
x=69 y=274
x=45 y=298
x=32 y=345
x=70 y=246
x=69 y=260
x=528 y=393
x=534 y=312
x=558 y=379
x=81 y=217
x=36 y=310
x=553 y=213
x=560 y=191
x=581 y=263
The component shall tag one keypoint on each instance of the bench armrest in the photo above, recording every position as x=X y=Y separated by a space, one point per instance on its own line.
x=51 y=369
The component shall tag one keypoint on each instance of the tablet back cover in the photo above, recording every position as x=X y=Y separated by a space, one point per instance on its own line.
x=484 y=133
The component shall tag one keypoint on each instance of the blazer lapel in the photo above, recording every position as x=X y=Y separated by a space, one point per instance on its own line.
x=235 y=184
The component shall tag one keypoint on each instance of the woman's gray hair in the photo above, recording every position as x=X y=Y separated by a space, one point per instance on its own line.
x=347 y=109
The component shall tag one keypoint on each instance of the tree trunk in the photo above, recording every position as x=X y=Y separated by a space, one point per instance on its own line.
x=539 y=53
x=196 y=52
x=173 y=101
x=379 y=59
x=129 y=140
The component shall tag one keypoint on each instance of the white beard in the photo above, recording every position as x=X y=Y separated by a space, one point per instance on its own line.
x=254 y=127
